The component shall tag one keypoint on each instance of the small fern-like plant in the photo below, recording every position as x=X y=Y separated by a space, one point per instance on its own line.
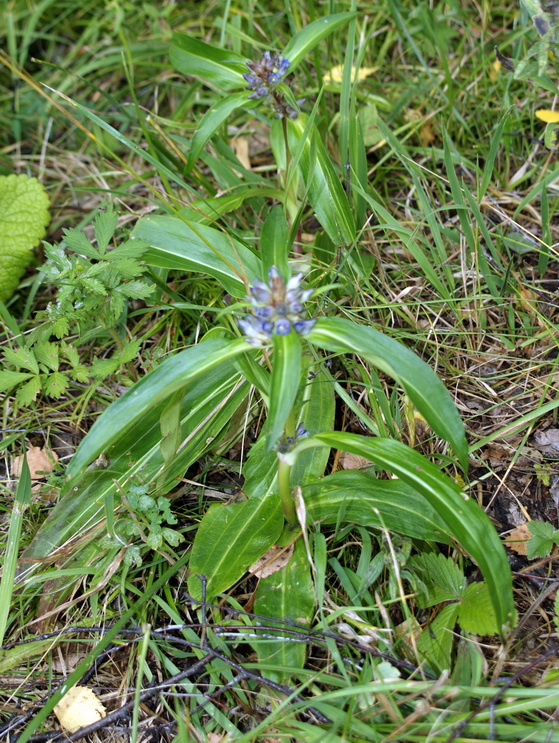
x=93 y=286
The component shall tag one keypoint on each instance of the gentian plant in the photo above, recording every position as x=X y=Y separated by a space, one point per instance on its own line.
x=181 y=410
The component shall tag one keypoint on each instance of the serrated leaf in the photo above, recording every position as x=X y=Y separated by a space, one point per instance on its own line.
x=9 y=379
x=71 y=353
x=94 y=285
x=543 y=538
x=22 y=357
x=55 y=384
x=47 y=353
x=440 y=579
x=24 y=216
x=28 y=393
x=78 y=242
x=136 y=289
x=104 y=226
x=476 y=614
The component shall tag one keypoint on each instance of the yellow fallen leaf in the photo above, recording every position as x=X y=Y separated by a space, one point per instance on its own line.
x=336 y=74
x=79 y=707
x=550 y=117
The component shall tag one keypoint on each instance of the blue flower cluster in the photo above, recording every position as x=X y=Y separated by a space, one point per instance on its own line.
x=268 y=71
x=278 y=307
x=263 y=79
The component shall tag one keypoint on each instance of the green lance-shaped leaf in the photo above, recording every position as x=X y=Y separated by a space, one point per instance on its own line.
x=310 y=36
x=284 y=385
x=273 y=243
x=24 y=216
x=174 y=374
x=136 y=456
x=211 y=121
x=324 y=190
x=316 y=415
x=187 y=246
x=353 y=497
x=230 y=538
x=459 y=515
x=289 y=595
x=220 y=67
x=423 y=387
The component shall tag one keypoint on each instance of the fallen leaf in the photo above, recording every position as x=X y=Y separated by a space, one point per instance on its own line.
x=353 y=461
x=240 y=146
x=39 y=461
x=550 y=117
x=547 y=441
x=271 y=561
x=335 y=75
x=517 y=539
x=79 y=707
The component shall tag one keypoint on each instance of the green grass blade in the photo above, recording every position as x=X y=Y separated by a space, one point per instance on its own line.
x=307 y=38
x=211 y=121
x=423 y=387
x=325 y=192
x=21 y=502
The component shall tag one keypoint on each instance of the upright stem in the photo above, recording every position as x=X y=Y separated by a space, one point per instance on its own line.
x=287 y=502
x=284 y=482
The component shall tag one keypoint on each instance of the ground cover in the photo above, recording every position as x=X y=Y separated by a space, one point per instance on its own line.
x=345 y=529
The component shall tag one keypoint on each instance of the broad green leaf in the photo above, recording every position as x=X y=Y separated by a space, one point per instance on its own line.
x=136 y=457
x=274 y=249
x=24 y=217
x=27 y=393
x=211 y=121
x=22 y=357
x=325 y=192
x=284 y=385
x=229 y=539
x=423 y=387
x=310 y=36
x=16 y=656
x=476 y=614
x=289 y=595
x=460 y=516
x=188 y=246
x=317 y=409
x=173 y=374
x=220 y=67
x=359 y=498
x=47 y=353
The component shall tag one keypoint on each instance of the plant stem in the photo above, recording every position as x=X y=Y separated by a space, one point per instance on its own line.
x=287 y=503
